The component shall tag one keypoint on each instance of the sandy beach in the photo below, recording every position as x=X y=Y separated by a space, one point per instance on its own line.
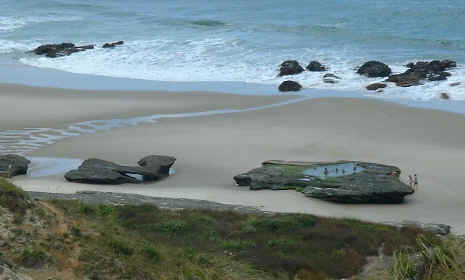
x=210 y=150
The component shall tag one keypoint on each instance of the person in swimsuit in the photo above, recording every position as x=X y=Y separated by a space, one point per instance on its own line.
x=410 y=180
x=415 y=181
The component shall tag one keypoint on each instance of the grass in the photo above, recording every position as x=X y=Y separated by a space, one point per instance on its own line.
x=12 y=197
x=203 y=244
x=433 y=260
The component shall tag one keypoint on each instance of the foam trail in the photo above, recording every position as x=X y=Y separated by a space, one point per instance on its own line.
x=23 y=141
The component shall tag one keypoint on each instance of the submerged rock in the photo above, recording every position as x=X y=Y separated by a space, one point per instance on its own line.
x=290 y=86
x=112 y=45
x=331 y=78
x=376 y=86
x=316 y=66
x=374 y=69
x=57 y=50
x=97 y=171
x=350 y=182
x=444 y=95
x=16 y=165
x=290 y=67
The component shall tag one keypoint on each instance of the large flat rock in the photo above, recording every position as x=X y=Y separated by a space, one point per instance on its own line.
x=340 y=181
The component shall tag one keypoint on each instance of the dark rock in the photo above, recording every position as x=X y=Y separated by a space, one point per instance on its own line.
x=432 y=71
x=376 y=86
x=97 y=171
x=407 y=79
x=330 y=78
x=158 y=164
x=374 y=69
x=329 y=75
x=444 y=95
x=112 y=45
x=290 y=67
x=373 y=183
x=454 y=84
x=316 y=66
x=57 y=50
x=19 y=165
x=289 y=86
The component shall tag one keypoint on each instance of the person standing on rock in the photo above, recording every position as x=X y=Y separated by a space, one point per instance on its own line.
x=410 y=180
x=415 y=181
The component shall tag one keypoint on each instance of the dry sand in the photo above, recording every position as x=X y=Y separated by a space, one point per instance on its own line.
x=212 y=149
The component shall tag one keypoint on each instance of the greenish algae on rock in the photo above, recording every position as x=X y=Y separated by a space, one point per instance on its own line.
x=339 y=181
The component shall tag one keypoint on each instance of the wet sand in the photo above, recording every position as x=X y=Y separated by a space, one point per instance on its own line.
x=212 y=149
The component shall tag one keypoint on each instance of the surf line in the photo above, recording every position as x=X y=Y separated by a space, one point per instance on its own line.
x=23 y=141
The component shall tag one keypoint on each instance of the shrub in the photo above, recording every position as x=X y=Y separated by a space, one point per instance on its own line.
x=13 y=198
x=151 y=253
x=283 y=223
x=120 y=246
x=33 y=258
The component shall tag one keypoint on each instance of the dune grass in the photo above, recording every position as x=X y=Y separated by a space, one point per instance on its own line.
x=154 y=243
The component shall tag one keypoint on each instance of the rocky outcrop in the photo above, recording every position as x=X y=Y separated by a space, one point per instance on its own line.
x=112 y=45
x=14 y=165
x=376 y=86
x=374 y=69
x=372 y=183
x=290 y=86
x=57 y=50
x=423 y=70
x=316 y=66
x=439 y=229
x=290 y=67
x=97 y=171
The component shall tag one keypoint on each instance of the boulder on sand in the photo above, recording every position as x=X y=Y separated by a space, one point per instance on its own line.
x=374 y=69
x=354 y=182
x=97 y=171
x=290 y=86
x=290 y=67
x=14 y=164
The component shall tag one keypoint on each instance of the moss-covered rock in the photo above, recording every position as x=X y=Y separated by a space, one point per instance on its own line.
x=340 y=181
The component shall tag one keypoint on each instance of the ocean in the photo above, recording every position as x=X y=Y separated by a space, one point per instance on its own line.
x=241 y=41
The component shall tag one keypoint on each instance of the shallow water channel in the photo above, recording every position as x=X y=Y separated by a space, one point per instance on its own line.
x=334 y=170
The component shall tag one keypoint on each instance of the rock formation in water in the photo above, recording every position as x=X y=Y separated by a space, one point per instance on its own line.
x=290 y=67
x=374 y=69
x=290 y=86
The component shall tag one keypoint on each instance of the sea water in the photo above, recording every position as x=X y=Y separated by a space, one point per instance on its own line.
x=241 y=41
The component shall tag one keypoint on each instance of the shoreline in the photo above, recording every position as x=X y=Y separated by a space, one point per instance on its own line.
x=25 y=75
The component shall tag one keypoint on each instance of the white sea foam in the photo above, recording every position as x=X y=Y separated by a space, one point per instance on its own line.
x=13 y=23
x=218 y=59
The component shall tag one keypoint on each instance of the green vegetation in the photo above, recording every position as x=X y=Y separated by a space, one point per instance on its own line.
x=12 y=197
x=33 y=258
x=434 y=260
x=146 y=242
x=154 y=243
